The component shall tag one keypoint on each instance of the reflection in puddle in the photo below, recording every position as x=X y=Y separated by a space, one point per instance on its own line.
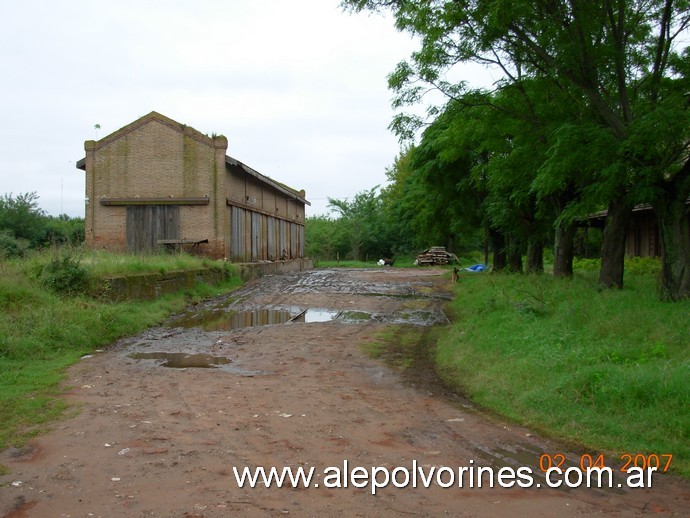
x=183 y=360
x=419 y=318
x=220 y=320
x=355 y=316
x=229 y=320
x=223 y=320
x=316 y=315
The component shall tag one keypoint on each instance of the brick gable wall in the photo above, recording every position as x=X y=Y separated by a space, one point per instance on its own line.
x=155 y=160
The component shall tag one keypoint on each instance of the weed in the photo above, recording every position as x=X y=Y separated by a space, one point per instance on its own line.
x=606 y=369
x=46 y=325
x=11 y=247
x=64 y=273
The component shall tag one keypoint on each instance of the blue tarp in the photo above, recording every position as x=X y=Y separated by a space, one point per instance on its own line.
x=477 y=268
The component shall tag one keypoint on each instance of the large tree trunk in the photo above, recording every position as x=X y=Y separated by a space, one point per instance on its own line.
x=535 y=255
x=450 y=243
x=613 y=243
x=564 y=239
x=514 y=256
x=674 y=231
x=563 y=250
x=487 y=241
x=498 y=247
x=486 y=250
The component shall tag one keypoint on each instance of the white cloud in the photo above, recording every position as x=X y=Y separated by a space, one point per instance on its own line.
x=299 y=88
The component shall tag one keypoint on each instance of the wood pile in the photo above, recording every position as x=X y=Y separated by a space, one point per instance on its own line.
x=436 y=255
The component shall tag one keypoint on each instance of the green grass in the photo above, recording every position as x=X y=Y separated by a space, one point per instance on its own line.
x=110 y=264
x=41 y=333
x=102 y=264
x=396 y=345
x=607 y=370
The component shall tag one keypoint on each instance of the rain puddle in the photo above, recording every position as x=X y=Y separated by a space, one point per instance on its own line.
x=183 y=360
x=230 y=320
x=315 y=315
x=354 y=317
x=216 y=320
x=419 y=318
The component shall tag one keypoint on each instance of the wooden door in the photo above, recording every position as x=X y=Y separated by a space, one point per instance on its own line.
x=146 y=224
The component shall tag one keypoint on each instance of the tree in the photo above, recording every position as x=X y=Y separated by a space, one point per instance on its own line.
x=21 y=216
x=659 y=144
x=402 y=201
x=325 y=238
x=614 y=59
x=364 y=223
x=478 y=162
x=65 y=230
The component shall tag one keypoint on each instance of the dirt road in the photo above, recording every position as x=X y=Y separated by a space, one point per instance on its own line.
x=151 y=440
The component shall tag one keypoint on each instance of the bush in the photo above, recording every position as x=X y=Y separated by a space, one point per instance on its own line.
x=643 y=265
x=64 y=230
x=634 y=265
x=590 y=265
x=11 y=247
x=65 y=274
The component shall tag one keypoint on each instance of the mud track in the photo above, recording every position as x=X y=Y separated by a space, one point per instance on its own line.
x=155 y=441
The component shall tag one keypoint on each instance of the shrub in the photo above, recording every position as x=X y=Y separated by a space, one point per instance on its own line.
x=634 y=265
x=11 y=247
x=643 y=265
x=589 y=265
x=65 y=274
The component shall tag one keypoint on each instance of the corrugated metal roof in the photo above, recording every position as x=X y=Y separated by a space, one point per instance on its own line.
x=265 y=179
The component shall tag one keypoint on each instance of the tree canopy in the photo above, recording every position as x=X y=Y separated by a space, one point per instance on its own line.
x=24 y=225
x=590 y=111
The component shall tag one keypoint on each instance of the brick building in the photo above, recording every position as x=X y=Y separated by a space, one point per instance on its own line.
x=158 y=183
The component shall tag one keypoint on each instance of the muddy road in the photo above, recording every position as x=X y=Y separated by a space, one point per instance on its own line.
x=274 y=376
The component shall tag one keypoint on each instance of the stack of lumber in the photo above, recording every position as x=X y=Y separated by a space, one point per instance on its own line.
x=435 y=255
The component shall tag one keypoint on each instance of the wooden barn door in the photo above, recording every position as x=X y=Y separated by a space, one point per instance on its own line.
x=257 y=236
x=146 y=224
x=239 y=235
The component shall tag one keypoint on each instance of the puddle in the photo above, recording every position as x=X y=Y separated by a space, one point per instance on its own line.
x=353 y=317
x=315 y=315
x=224 y=319
x=229 y=320
x=320 y=315
x=419 y=318
x=183 y=360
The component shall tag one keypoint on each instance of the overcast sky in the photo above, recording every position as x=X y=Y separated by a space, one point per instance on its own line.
x=298 y=87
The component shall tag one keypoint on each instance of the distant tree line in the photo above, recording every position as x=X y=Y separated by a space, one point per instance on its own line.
x=367 y=227
x=24 y=226
x=590 y=111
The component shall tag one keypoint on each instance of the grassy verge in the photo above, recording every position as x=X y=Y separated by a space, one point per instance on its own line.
x=607 y=370
x=99 y=263
x=41 y=333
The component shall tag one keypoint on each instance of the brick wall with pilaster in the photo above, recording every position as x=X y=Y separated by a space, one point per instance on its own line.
x=158 y=159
